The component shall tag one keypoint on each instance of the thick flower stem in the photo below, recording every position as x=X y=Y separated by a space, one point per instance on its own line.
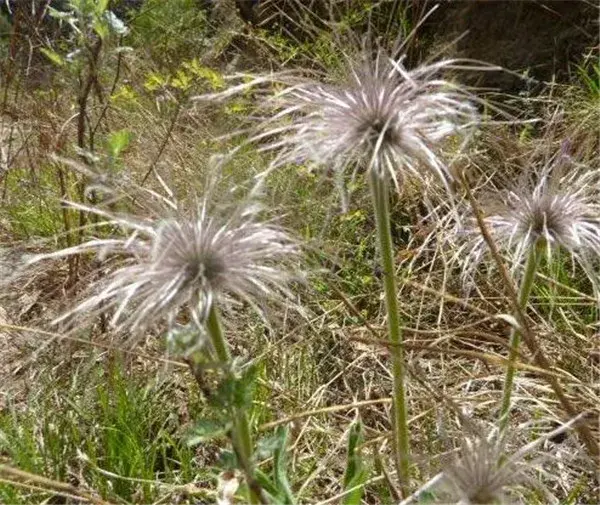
x=515 y=335
x=241 y=435
x=380 y=196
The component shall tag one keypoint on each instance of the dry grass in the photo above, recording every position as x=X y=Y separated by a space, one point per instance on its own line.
x=95 y=420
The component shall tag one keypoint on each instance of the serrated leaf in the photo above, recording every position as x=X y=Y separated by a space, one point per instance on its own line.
x=235 y=391
x=181 y=80
x=207 y=429
x=53 y=56
x=155 y=81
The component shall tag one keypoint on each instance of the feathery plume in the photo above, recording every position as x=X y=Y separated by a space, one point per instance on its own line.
x=187 y=261
x=483 y=473
x=555 y=205
x=477 y=476
x=383 y=119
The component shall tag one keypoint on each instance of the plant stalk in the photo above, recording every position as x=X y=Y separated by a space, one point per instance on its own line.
x=531 y=265
x=380 y=197
x=241 y=436
x=540 y=358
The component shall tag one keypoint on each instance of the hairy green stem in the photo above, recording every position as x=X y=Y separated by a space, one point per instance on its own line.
x=533 y=260
x=380 y=197
x=241 y=435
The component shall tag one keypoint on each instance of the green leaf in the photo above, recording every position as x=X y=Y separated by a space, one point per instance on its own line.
x=267 y=486
x=101 y=6
x=207 y=429
x=54 y=57
x=356 y=474
x=279 y=470
x=266 y=446
x=181 y=80
x=118 y=141
x=155 y=81
x=101 y=28
x=277 y=484
x=236 y=392
x=228 y=460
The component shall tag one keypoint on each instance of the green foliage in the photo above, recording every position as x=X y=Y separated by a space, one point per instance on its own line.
x=236 y=390
x=589 y=75
x=85 y=16
x=32 y=208
x=356 y=474
x=170 y=31
x=115 y=430
x=117 y=142
x=206 y=430
x=276 y=484
x=189 y=75
x=53 y=56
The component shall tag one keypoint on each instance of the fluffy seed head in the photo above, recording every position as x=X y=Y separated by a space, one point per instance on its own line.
x=477 y=476
x=556 y=205
x=483 y=473
x=187 y=261
x=383 y=118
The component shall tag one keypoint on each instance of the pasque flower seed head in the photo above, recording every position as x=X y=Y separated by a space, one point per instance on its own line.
x=383 y=118
x=555 y=205
x=187 y=261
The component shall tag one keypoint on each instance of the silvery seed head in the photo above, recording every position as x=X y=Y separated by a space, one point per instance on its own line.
x=478 y=476
x=553 y=206
x=383 y=118
x=482 y=473
x=186 y=261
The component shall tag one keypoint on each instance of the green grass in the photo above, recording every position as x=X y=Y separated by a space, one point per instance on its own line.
x=115 y=431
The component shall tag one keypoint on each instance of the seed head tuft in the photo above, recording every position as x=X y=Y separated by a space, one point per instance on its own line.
x=187 y=261
x=554 y=206
x=382 y=118
x=478 y=476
